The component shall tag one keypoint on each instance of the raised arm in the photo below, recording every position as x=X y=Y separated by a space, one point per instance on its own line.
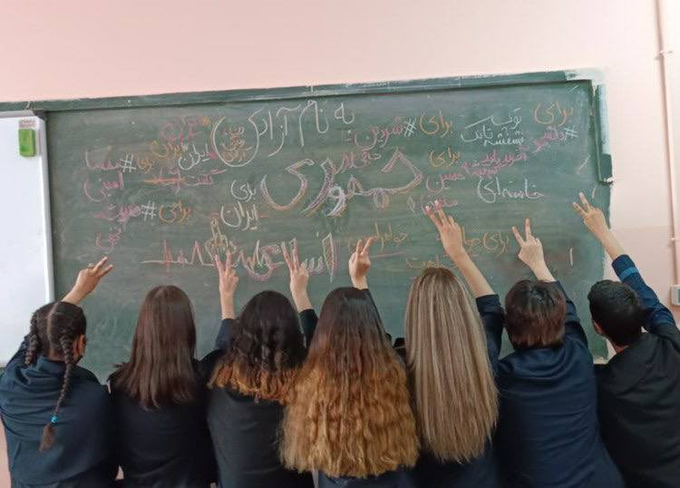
x=531 y=254
x=593 y=218
x=299 y=281
x=488 y=304
x=451 y=236
x=228 y=281
x=87 y=281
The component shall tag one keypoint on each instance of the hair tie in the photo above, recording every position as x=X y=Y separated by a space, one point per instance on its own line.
x=54 y=419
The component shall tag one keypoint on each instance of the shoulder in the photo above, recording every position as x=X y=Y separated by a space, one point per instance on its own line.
x=205 y=366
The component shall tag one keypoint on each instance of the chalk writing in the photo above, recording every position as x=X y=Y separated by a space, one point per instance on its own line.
x=493 y=191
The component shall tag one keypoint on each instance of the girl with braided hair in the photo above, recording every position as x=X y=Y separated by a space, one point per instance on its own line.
x=57 y=416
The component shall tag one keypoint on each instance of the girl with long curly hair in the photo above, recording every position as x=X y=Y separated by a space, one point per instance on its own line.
x=349 y=415
x=262 y=352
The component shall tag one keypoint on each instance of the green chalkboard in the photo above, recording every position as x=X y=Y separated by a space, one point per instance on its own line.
x=158 y=184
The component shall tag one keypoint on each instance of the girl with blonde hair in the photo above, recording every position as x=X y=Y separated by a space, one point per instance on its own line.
x=451 y=369
x=349 y=415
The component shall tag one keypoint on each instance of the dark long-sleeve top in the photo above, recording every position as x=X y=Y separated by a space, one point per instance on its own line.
x=639 y=394
x=548 y=432
x=245 y=431
x=482 y=472
x=82 y=455
x=168 y=446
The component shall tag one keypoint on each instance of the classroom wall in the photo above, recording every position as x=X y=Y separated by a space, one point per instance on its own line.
x=73 y=49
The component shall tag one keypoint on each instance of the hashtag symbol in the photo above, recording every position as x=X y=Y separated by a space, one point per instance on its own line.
x=410 y=127
x=149 y=210
x=570 y=133
x=126 y=165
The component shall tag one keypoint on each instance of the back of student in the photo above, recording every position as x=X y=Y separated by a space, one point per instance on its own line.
x=259 y=355
x=452 y=384
x=57 y=417
x=639 y=389
x=159 y=398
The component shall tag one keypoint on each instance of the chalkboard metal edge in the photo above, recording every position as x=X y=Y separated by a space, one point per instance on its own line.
x=247 y=95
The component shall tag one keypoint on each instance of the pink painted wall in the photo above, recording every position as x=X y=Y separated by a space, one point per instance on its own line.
x=72 y=49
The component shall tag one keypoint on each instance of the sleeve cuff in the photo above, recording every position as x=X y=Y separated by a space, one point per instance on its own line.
x=488 y=302
x=624 y=267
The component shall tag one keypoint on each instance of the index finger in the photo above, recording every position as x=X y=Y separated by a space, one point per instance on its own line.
x=527 y=229
x=105 y=270
x=579 y=210
x=584 y=201
x=218 y=263
x=98 y=266
x=287 y=257
x=433 y=217
x=359 y=247
x=296 y=257
x=368 y=244
x=518 y=236
x=227 y=264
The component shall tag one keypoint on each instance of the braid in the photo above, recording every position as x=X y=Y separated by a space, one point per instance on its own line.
x=67 y=333
x=33 y=342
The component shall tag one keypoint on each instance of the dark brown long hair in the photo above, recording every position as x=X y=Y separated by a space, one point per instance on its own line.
x=54 y=329
x=161 y=371
x=349 y=413
x=266 y=351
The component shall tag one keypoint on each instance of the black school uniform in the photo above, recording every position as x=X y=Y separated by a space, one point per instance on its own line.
x=482 y=472
x=245 y=431
x=548 y=431
x=165 y=447
x=82 y=453
x=639 y=395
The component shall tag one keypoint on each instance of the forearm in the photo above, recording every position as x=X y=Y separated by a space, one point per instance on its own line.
x=302 y=301
x=473 y=276
x=360 y=283
x=227 y=305
x=74 y=296
x=610 y=244
x=542 y=273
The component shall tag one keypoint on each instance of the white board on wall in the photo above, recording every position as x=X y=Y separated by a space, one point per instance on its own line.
x=25 y=240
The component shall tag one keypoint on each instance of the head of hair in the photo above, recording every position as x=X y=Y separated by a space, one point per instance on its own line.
x=160 y=371
x=617 y=310
x=349 y=413
x=535 y=313
x=266 y=351
x=453 y=389
x=55 y=328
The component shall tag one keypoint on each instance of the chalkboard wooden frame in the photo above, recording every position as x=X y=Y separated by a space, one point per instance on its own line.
x=388 y=87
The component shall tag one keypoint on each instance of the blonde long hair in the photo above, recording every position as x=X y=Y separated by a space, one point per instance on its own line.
x=453 y=388
x=350 y=413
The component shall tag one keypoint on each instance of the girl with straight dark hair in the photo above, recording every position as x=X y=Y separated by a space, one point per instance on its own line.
x=252 y=374
x=57 y=417
x=159 y=397
x=349 y=415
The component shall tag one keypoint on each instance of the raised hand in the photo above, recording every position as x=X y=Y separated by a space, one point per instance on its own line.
x=531 y=252
x=450 y=233
x=360 y=263
x=299 y=278
x=228 y=281
x=594 y=220
x=87 y=281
